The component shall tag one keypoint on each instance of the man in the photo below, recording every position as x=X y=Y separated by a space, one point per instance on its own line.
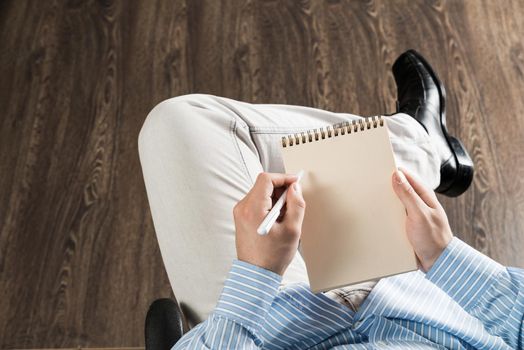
x=200 y=155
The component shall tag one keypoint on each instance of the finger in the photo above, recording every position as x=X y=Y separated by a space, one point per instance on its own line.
x=426 y=194
x=406 y=193
x=277 y=192
x=295 y=207
x=266 y=183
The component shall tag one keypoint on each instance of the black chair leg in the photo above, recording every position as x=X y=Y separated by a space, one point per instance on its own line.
x=164 y=324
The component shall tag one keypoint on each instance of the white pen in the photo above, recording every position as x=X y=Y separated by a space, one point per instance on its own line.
x=273 y=214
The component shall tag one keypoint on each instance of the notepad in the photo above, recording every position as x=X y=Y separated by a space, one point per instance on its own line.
x=354 y=224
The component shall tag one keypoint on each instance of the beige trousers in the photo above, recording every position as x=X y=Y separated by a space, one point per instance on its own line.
x=200 y=154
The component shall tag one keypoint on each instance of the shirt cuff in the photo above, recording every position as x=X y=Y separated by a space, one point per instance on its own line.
x=248 y=294
x=464 y=273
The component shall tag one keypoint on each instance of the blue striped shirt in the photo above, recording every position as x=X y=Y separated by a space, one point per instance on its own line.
x=465 y=301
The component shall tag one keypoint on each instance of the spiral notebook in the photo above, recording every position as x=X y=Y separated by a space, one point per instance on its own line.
x=354 y=224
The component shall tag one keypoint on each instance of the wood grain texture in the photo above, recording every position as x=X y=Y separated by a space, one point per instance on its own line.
x=79 y=262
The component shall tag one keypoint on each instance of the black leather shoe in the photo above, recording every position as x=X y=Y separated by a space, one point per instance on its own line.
x=422 y=96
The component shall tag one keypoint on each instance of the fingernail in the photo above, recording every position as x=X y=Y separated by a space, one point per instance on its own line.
x=296 y=187
x=400 y=178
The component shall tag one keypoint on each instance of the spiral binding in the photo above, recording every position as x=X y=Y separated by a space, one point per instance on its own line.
x=333 y=130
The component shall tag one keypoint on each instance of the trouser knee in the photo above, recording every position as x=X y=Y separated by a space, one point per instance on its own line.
x=182 y=116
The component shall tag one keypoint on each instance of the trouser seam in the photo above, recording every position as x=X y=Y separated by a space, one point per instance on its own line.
x=233 y=133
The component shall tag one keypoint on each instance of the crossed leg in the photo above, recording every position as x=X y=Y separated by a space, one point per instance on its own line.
x=200 y=154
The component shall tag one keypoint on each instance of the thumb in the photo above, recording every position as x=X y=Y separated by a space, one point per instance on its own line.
x=295 y=204
x=407 y=194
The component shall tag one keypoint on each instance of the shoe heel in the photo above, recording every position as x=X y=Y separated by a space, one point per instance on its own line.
x=464 y=170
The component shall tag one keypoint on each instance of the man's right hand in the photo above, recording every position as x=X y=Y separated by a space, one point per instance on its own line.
x=275 y=250
x=427 y=225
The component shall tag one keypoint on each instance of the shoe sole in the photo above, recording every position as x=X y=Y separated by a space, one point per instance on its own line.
x=463 y=176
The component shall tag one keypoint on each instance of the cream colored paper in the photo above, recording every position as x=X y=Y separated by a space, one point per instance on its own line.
x=354 y=224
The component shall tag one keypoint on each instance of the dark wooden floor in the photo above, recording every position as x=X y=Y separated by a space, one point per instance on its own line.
x=79 y=262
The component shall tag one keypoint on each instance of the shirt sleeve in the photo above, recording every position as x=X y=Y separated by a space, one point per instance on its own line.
x=487 y=290
x=235 y=323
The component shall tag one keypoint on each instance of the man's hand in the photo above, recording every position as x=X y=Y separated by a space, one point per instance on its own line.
x=427 y=225
x=275 y=250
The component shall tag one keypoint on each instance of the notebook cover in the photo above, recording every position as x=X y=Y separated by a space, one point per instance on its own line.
x=354 y=224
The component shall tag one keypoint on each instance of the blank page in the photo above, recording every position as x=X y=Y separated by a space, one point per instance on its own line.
x=354 y=224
